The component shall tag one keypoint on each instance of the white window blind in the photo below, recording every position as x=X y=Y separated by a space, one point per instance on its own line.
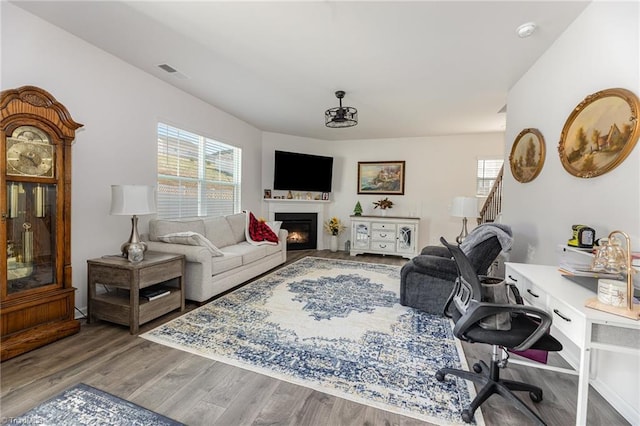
x=197 y=176
x=488 y=170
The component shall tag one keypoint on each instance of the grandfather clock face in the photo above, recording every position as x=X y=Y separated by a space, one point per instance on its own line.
x=30 y=153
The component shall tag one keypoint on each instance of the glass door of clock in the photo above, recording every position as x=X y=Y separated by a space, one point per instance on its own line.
x=31 y=236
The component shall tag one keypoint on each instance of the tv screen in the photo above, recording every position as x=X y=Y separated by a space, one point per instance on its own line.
x=302 y=172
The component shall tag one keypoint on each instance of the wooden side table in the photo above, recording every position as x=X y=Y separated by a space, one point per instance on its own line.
x=121 y=302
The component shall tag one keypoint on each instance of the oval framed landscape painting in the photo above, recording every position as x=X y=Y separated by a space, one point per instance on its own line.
x=600 y=133
x=527 y=155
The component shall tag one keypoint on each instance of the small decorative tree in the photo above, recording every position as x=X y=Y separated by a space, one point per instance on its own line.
x=357 y=209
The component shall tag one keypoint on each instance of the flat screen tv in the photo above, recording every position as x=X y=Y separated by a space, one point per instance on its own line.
x=302 y=172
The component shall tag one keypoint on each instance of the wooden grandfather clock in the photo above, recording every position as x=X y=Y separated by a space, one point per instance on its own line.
x=36 y=295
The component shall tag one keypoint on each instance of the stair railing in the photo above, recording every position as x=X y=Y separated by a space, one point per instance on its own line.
x=493 y=204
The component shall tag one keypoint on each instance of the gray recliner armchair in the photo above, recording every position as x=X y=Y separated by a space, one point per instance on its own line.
x=427 y=280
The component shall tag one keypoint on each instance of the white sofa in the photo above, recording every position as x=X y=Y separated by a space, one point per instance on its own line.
x=209 y=274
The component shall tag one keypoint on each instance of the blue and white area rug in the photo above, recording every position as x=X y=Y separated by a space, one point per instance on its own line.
x=85 y=405
x=335 y=326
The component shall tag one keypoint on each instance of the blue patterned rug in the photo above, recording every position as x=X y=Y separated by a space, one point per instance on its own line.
x=335 y=326
x=85 y=405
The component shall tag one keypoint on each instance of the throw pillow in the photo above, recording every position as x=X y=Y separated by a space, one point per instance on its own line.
x=275 y=226
x=191 y=239
x=259 y=232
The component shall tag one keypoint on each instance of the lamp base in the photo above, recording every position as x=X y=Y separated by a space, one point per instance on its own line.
x=124 y=248
x=463 y=233
x=133 y=238
x=633 y=314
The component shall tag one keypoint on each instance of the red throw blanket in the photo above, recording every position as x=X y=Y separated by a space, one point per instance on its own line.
x=259 y=232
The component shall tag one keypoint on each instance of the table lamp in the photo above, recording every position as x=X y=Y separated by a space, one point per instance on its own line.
x=612 y=258
x=464 y=207
x=133 y=200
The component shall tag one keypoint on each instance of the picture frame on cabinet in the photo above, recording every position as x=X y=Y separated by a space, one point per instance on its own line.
x=600 y=133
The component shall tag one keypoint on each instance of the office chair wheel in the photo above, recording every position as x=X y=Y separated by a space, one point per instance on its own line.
x=477 y=367
x=466 y=416
x=439 y=376
x=535 y=396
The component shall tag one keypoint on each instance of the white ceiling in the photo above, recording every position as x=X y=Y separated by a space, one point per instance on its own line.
x=416 y=68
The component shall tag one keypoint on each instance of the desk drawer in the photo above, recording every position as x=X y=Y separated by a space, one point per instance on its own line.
x=530 y=292
x=378 y=235
x=568 y=321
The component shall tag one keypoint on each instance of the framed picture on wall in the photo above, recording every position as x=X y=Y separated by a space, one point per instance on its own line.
x=381 y=177
x=600 y=133
x=527 y=155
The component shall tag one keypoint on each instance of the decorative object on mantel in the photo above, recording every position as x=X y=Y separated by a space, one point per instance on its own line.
x=334 y=227
x=357 y=210
x=612 y=258
x=267 y=193
x=600 y=133
x=527 y=155
x=340 y=116
x=383 y=204
x=464 y=207
x=381 y=177
x=133 y=200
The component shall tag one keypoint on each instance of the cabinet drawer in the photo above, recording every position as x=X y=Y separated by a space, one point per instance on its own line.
x=384 y=226
x=160 y=273
x=382 y=246
x=378 y=235
x=568 y=321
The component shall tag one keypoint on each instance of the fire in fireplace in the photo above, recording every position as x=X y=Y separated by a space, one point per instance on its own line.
x=303 y=230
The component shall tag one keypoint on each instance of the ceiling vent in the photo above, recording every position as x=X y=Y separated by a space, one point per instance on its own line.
x=174 y=72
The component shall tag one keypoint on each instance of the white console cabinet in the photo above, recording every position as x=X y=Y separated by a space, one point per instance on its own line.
x=384 y=235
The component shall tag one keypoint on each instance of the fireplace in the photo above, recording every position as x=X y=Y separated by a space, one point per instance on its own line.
x=303 y=230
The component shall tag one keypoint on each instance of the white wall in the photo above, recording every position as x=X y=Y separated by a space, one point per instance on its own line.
x=600 y=50
x=119 y=106
x=437 y=169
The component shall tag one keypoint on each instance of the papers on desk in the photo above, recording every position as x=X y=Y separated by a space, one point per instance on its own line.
x=581 y=270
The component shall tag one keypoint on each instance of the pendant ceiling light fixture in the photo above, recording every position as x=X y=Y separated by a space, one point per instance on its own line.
x=341 y=116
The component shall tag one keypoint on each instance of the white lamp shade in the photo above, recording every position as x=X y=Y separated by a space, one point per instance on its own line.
x=133 y=200
x=464 y=207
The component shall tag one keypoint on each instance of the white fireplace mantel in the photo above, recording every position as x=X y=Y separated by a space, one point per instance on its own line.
x=320 y=207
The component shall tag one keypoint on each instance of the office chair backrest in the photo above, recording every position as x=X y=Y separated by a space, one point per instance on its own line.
x=467 y=285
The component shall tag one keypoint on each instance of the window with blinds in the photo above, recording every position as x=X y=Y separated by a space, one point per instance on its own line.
x=197 y=176
x=488 y=170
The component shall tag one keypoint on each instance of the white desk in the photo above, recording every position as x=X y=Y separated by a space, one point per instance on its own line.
x=543 y=286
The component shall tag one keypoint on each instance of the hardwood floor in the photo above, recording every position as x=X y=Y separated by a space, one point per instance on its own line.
x=199 y=391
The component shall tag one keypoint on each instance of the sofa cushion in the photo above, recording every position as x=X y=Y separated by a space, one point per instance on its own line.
x=218 y=231
x=191 y=239
x=274 y=249
x=225 y=263
x=159 y=227
x=248 y=252
x=237 y=222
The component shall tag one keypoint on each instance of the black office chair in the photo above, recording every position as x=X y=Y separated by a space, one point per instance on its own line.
x=529 y=330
